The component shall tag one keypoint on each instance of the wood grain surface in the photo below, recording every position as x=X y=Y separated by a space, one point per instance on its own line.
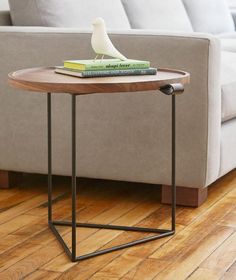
x=46 y=80
x=202 y=248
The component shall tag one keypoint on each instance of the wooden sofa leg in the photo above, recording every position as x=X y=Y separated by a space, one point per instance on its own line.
x=194 y=197
x=9 y=179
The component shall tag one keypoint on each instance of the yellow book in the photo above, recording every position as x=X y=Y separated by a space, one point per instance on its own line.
x=106 y=64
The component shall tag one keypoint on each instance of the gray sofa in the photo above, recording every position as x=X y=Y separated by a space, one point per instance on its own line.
x=125 y=137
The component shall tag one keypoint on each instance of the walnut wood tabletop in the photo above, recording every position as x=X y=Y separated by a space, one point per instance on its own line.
x=46 y=80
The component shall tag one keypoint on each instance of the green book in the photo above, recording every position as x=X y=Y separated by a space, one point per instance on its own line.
x=105 y=73
x=105 y=64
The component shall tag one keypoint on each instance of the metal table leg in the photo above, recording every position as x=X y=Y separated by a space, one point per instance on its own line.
x=49 y=115
x=173 y=161
x=159 y=233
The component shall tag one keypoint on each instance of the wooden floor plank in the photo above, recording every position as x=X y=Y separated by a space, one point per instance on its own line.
x=201 y=249
x=73 y=271
x=230 y=219
x=92 y=214
x=90 y=244
x=230 y=273
x=198 y=230
x=189 y=261
x=15 y=224
x=14 y=255
x=216 y=191
x=22 y=208
x=7 y=193
x=86 y=269
x=30 y=263
x=38 y=232
x=133 y=257
x=215 y=266
x=43 y=275
x=146 y=270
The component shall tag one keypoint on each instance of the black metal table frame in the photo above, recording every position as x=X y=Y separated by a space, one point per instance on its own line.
x=169 y=89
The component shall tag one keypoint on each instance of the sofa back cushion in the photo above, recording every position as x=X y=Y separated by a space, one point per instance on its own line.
x=211 y=16
x=157 y=14
x=68 y=13
x=4 y=5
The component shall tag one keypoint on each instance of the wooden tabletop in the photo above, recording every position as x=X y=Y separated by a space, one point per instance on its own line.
x=46 y=80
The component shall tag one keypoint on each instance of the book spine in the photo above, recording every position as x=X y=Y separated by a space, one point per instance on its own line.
x=118 y=66
x=87 y=74
x=108 y=66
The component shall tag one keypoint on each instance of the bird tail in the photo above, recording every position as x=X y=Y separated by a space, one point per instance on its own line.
x=122 y=57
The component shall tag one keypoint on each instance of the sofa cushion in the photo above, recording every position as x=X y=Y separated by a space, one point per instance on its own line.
x=228 y=41
x=5 y=18
x=228 y=44
x=4 y=5
x=157 y=14
x=228 y=85
x=68 y=13
x=211 y=16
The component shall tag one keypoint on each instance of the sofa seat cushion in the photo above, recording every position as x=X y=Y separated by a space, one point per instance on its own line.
x=228 y=85
x=68 y=13
x=228 y=41
x=228 y=45
x=210 y=16
x=157 y=14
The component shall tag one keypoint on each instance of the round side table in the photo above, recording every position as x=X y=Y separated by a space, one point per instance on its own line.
x=45 y=80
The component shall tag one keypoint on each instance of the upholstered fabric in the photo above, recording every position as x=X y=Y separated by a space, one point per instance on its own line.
x=211 y=16
x=228 y=41
x=233 y=13
x=157 y=14
x=228 y=44
x=4 y=5
x=231 y=3
x=228 y=82
x=227 y=35
x=5 y=18
x=68 y=13
x=121 y=136
x=228 y=147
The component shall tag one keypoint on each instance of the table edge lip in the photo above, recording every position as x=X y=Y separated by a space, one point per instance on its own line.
x=12 y=80
x=170 y=70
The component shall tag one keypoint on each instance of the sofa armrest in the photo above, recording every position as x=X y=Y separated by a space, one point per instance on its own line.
x=198 y=110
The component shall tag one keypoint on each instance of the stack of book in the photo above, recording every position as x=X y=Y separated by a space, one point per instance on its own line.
x=105 y=68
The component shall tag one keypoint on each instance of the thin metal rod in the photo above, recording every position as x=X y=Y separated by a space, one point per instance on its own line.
x=60 y=239
x=115 y=227
x=73 y=182
x=173 y=159
x=123 y=246
x=49 y=122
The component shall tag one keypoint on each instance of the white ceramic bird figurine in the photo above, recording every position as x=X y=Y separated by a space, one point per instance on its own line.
x=101 y=42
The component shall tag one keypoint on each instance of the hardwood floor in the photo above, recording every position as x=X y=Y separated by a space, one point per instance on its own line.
x=204 y=246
